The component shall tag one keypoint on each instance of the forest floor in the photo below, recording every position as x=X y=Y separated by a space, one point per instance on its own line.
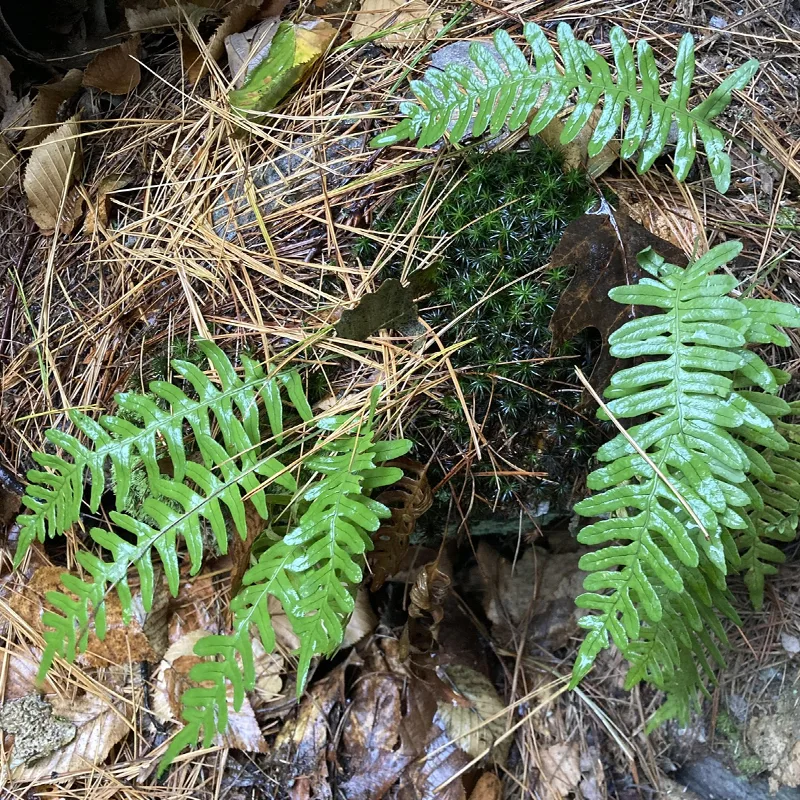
x=194 y=229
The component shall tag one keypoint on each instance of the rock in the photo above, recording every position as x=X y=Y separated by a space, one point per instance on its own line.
x=775 y=739
x=711 y=780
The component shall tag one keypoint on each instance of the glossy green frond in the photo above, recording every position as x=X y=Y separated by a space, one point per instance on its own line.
x=670 y=522
x=313 y=571
x=507 y=90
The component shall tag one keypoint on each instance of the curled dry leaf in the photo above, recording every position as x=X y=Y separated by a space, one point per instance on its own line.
x=124 y=642
x=116 y=69
x=429 y=592
x=44 y=110
x=50 y=174
x=474 y=718
x=170 y=681
x=61 y=735
x=408 y=500
x=412 y=20
x=97 y=212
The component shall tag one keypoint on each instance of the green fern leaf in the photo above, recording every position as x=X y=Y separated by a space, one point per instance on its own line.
x=671 y=526
x=508 y=90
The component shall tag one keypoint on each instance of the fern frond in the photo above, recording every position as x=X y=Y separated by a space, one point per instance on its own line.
x=506 y=91
x=702 y=431
x=54 y=498
x=313 y=571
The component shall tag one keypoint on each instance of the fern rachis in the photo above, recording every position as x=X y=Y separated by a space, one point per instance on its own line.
x=506 y=92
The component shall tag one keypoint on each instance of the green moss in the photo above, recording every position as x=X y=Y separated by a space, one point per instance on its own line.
x=505 y=217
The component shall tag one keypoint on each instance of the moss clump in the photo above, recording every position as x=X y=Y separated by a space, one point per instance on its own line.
x=503 y=221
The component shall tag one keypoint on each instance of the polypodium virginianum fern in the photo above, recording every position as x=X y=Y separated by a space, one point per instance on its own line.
x=675 y=499
x=313 y=570
x=508 y=90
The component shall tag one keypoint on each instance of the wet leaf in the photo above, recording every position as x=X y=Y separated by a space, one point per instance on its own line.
x=390 y=307
x=97 y=213
x=115 y=70
x=170 y=681
x=442 y=764
x=58 y=735
x=44 y=110
x=294 y=50
x=408 y=500
x=412 y=21
x=123 y=643
x=474 y=718
x=601 y=248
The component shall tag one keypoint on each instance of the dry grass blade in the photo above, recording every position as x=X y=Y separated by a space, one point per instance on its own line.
x=50 y=173
x=408 y=500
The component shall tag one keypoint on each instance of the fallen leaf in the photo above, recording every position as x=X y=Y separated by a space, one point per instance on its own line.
x=533 y=597
x=443 y=763
x=44 y=110
x=428 y=592
x=391 y=306
x=37 y=732
x=7 y=96
x=50 y=173
x=248 y=49
x=95 y=725
x=602 y=250
x=115 y=70
x=22 y=670
x=661 y=220
x=408 y=500
x=300 y=750
x=474 y=719
x=148 y=19
x=97 y=213
x=269 y=676
x=413 y=19
x=560 y=769
x=195 y=61
x=294 y=50
x=170 y=681
x=240 y=548
x=576 y=152
x=124 y=642
x=362 y=621
x=488 y=787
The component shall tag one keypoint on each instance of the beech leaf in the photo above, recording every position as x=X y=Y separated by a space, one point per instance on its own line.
x=50 y=173
x=294 y=50
x=116 y=69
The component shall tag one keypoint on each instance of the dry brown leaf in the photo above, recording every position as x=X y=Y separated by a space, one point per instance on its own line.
x=22 y=669
x=97 y=213
x=560 y=766
x=44 y=110
x=123 y=643
x=269 y=680
x=148 y=19
x=171 y=679
x=576 y=153
x=428 y=593
x=533 y=597
x=116 y=69
x=474 y=718
x=240 y=548
x=98 y=724
x=50 y=173
x=662 y=221
x=488 y=787
x=418 y=21
x=408 y=500
x=362 y=622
